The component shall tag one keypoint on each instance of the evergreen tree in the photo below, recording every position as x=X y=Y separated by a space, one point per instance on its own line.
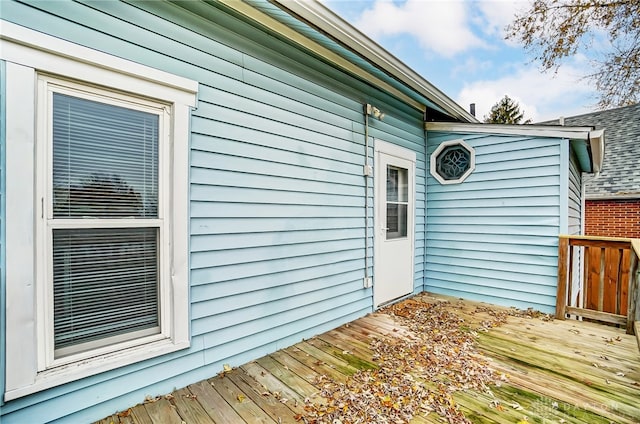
x=506 y=111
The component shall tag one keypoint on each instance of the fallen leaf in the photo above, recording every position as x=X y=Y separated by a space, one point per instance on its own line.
x=241 y=397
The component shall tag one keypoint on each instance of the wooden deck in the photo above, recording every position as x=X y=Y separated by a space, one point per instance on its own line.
x=428 y=359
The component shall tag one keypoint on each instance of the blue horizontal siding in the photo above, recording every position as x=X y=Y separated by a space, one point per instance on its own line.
x=277 y=228
x=271 y=167
x=222 y=177
x=498 y=246
x=505 y=260
x=494 y=236
x=211 y=242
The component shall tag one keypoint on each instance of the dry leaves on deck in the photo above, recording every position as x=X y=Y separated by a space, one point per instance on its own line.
x=416 y=374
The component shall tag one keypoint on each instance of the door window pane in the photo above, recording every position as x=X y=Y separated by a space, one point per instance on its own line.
x=397 y=201
x=105 y=160
x=397 y=185
x=396 y=220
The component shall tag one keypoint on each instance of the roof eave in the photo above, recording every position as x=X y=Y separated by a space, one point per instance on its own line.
x=593 y=139
x=596 y=142
x=316 y=14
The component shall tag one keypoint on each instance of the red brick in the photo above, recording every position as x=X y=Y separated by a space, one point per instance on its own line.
x=613 y=218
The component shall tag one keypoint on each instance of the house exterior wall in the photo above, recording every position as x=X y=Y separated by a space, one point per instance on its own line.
x=494 y=237
x=612 y=218
x=277 y=228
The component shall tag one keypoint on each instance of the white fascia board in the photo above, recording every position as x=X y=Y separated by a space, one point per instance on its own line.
x=554 y=131
x=596 y=141
x=327 y=21
x=12 y=35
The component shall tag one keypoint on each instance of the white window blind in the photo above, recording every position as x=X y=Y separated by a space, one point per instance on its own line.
x=105 y=160
x=105 y=269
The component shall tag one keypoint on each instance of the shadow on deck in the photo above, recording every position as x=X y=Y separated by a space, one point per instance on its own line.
x=428 y=359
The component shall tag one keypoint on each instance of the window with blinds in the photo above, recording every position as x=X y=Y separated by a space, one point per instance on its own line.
x=104 y=221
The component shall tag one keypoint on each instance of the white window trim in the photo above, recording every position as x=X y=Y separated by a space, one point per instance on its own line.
x=27 y=54
x=434 y=158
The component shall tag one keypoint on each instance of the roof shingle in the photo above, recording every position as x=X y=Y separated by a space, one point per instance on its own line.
x=620 y=175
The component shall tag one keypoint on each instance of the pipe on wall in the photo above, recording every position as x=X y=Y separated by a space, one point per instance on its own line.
x=367 y=108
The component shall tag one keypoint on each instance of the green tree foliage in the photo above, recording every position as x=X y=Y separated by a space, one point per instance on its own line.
x=553 y=30
x=506 y=111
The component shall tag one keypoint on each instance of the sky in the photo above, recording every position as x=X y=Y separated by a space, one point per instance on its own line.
x=459 y=46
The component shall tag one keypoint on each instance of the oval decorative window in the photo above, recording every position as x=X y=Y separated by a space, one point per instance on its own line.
x=452 y=162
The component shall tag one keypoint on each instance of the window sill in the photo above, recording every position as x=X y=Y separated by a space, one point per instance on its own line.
x=96 y=365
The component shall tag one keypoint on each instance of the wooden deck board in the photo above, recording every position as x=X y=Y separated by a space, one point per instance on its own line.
x=276 y=387
x=554 y=371
x=188 y=407
x=291 y=380
x=140 y=415
x=277 y=410
x=318 y=365
x=240 y=402
x=162 y=410
x=214 y=404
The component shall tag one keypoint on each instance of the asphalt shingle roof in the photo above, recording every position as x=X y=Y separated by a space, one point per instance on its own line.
x=620 y=175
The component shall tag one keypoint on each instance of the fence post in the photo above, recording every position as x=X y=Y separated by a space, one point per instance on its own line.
x=633 y=311
x=563 y=267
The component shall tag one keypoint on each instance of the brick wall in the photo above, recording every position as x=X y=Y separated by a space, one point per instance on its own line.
x=612 y=218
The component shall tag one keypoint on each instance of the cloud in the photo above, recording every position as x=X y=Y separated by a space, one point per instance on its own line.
x=541 y=96
x=439 y=26
x=495 y=15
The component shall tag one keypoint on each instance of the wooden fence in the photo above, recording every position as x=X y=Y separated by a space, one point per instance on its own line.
x=598 y=279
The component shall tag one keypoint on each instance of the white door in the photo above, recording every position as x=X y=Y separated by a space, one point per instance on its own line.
x=394 y=228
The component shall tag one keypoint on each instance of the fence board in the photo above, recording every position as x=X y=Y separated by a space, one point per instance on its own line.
x=625 y=270
x=592 y=285
x=610 y=281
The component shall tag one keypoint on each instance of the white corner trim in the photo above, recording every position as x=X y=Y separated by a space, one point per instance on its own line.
x=20 y=232
x=433 y=168
x=16 y=41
